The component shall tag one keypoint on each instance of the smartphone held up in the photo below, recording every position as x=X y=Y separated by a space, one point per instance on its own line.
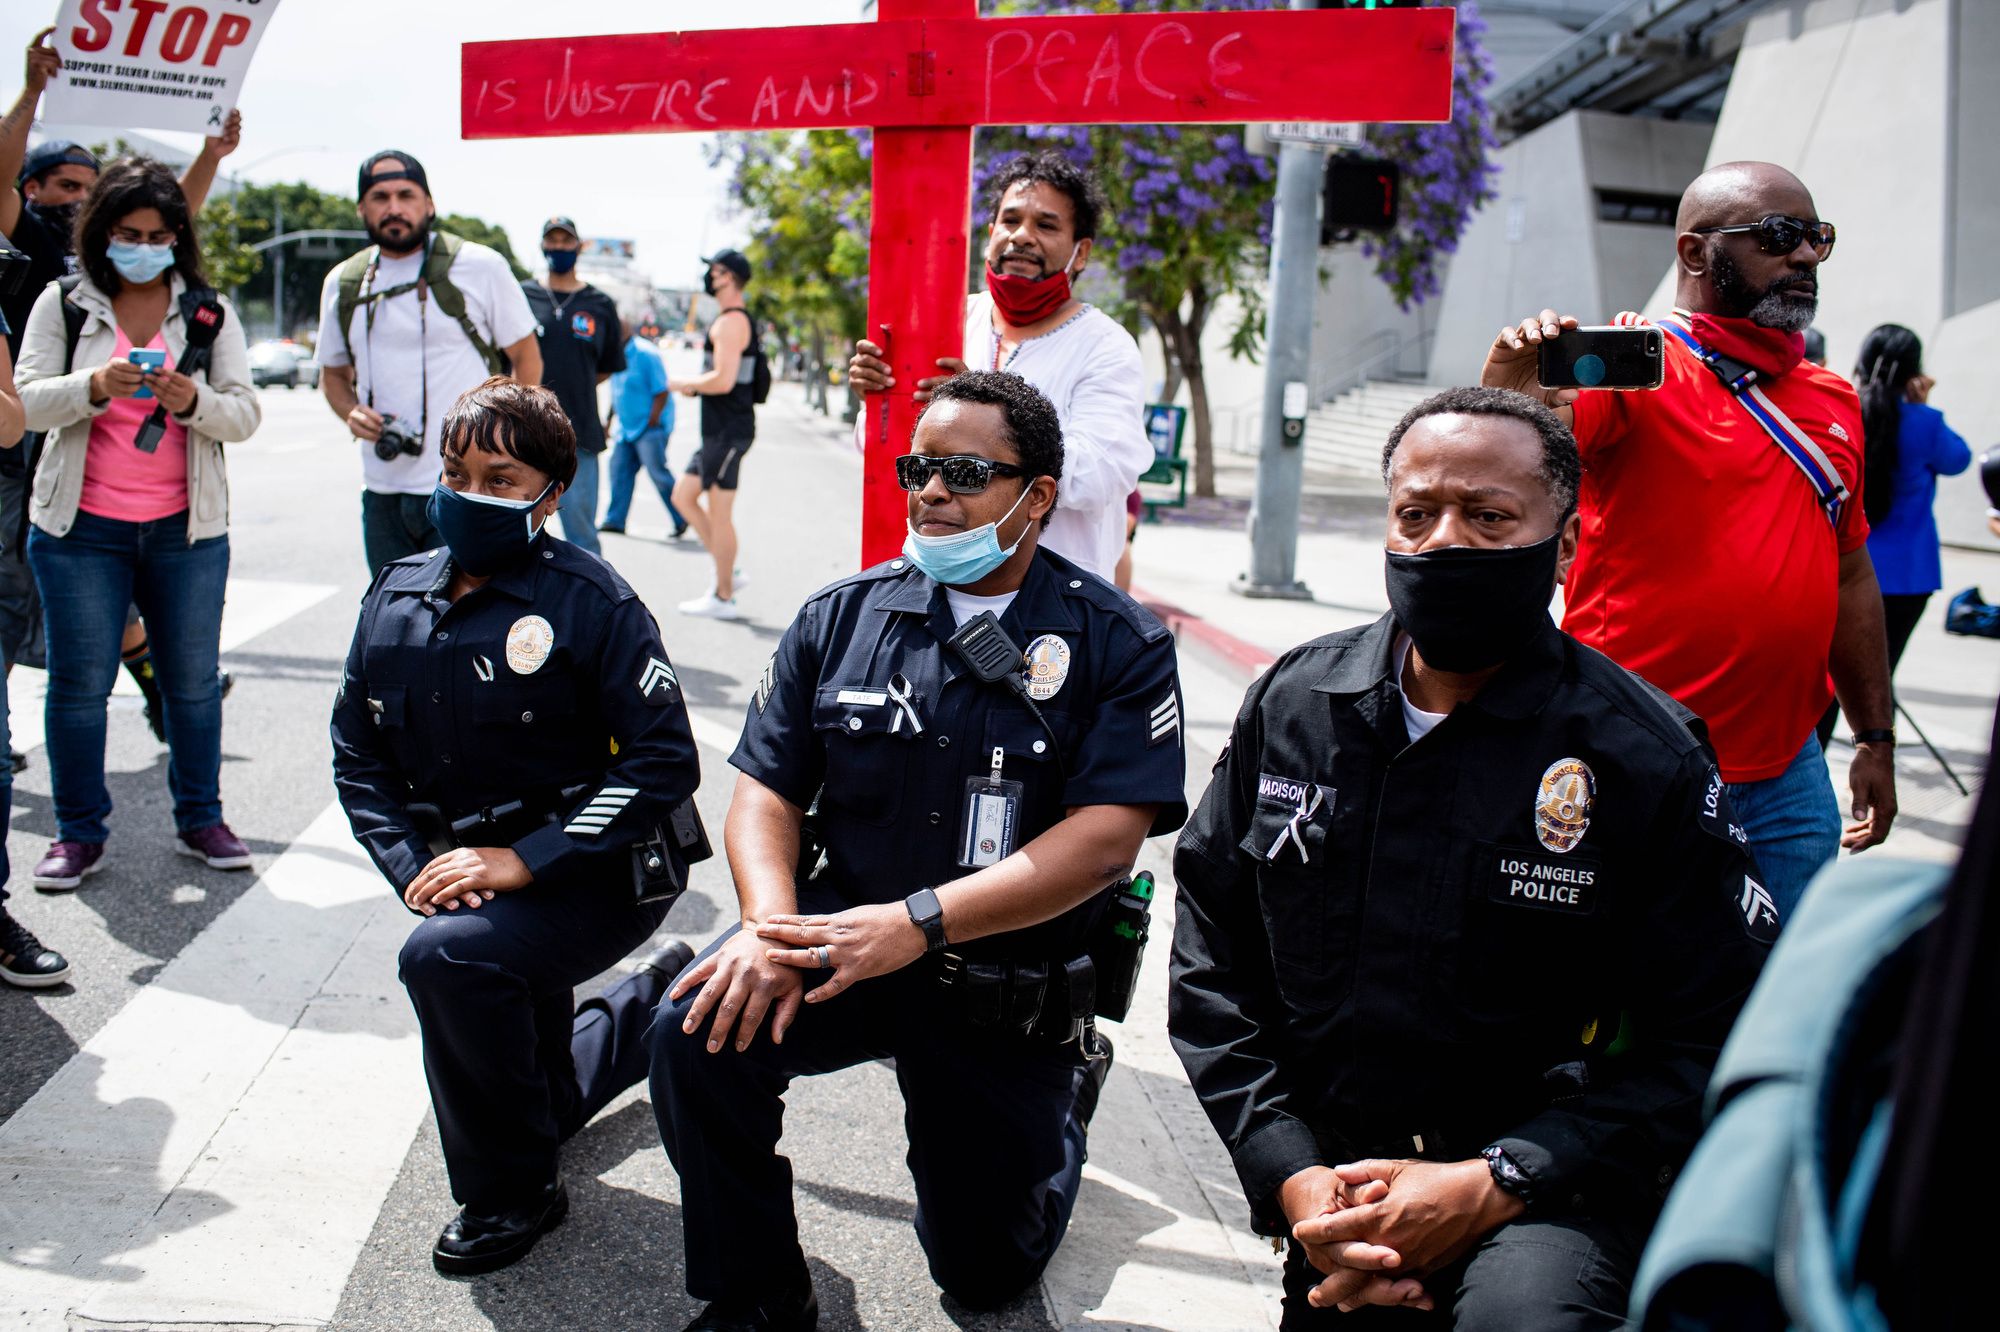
x=1603 y=358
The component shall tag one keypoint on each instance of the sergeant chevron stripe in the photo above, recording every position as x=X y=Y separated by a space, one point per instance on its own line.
x=605 y=806
x=1165 y=719
x=656 y=672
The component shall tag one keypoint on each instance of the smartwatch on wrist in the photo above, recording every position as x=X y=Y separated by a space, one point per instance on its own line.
x=927 y=914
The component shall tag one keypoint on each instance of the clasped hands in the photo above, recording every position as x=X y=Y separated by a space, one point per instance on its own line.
x=466 y=874
x=760 y=971
x=1377 y=1228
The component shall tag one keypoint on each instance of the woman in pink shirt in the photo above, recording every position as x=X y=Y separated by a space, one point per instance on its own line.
x=131 y=502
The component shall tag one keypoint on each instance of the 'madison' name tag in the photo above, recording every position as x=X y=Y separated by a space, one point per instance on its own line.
x=1519 y=878
x=1283 y=790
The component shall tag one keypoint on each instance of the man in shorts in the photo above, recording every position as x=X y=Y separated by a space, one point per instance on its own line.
x=706 y=494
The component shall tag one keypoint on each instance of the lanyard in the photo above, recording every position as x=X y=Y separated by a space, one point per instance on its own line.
x=1792 y=441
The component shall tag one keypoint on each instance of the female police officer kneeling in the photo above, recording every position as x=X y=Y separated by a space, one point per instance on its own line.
x=513 y=686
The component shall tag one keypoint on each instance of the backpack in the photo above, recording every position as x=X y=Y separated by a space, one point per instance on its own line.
x=760 y=364
x=435 y=280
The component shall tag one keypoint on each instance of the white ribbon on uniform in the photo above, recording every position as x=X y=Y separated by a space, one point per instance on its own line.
x=1291 y=829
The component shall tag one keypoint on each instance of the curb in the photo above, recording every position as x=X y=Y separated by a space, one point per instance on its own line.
x=1234 y=655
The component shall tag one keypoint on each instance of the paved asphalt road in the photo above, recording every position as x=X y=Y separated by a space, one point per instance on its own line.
x=297 y=574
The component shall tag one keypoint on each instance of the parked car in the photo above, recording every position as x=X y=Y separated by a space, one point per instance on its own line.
x=282 y=361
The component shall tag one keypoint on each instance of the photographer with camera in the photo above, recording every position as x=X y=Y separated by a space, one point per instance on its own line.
x=138 y=372
x=405 y=327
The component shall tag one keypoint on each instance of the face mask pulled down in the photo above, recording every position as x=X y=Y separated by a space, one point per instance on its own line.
x=485 y=535
x=963 y=557
x=1025 y=300
x=1471 y=607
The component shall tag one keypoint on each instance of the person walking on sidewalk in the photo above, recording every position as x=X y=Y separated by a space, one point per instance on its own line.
x=131 y=503
x=405 y=327
x=517 y=687
x=1747 y=461
x=24 y=960
x=1401 y=1021
x=1045 y=215
x=577 y=329
x=642 y=420
x=706 y=494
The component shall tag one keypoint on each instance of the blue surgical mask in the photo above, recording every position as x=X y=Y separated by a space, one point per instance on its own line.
x=139 y=263
x=560 y=261
x=963 y=557
x=485 y=534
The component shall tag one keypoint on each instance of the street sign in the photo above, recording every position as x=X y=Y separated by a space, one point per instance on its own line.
x=1318 y=133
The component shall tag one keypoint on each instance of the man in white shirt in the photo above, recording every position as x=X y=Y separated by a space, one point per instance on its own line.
x=441 y=314
x=1027 y=321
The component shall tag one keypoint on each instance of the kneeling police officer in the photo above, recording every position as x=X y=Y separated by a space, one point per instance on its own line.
x=1463 y=919
x=927 y=821
x=511 y=747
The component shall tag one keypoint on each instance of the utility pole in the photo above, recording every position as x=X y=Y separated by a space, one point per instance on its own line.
x=278 y=262
x=1274 y=515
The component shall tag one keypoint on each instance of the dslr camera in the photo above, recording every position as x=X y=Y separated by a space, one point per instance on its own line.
x=394 y=441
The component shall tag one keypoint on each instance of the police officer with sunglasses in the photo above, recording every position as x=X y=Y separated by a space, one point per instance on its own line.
x=949 y=761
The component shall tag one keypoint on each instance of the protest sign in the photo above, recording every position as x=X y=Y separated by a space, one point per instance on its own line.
x=153 y=64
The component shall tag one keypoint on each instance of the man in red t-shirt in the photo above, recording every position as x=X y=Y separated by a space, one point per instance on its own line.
x=1709 y=564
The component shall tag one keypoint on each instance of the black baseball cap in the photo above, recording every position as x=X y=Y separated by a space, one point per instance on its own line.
x=409 y=168
x=732 y=260
x=561 y=223
x=46 y=157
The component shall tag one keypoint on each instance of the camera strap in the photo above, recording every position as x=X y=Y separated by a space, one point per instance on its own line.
x=367 y=301
x=1794 y=443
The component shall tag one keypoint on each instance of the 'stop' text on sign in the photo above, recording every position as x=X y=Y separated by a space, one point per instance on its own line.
x=153 y=64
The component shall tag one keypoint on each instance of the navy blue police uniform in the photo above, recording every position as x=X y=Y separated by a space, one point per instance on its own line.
x=1526 y=933
x=867 y=718
x=549 y=686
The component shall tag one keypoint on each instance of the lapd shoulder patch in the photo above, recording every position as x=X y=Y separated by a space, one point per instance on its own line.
x=1760 y=911
x=1716 y=816
x=1521 y=877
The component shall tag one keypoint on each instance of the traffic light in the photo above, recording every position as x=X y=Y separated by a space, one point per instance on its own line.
x=1360 y=196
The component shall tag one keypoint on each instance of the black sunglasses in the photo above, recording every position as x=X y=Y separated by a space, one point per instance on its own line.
x=963 y=473
x=1779 y=234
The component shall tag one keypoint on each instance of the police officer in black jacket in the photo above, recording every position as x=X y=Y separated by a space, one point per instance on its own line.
x=1463 y=919
x=514 y=687
x=921 y=857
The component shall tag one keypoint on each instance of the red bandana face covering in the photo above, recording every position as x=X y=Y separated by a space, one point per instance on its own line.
x=1025 y=300
x=1770 y=352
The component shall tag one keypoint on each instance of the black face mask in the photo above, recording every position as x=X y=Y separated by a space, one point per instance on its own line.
x=708 y=283
x=1471 y=607
x=59 y=218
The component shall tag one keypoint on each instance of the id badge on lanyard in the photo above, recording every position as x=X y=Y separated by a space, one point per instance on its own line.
x=992 y=817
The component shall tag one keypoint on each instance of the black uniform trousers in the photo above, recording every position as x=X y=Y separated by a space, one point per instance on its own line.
x=1554 y=1274
x=996 y=1146
x=513 y=1067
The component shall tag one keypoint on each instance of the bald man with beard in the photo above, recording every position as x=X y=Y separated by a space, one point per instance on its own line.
x=1712 y=563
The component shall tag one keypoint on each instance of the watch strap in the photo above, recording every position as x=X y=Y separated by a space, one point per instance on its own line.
x=927 y=914
x=1881 y=735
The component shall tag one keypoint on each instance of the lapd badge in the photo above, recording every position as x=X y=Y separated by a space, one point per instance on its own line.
x=528 y=644
x=1563 y=804
x=1047 y=666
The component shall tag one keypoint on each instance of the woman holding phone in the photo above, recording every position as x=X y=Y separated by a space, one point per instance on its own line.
x=131 y=505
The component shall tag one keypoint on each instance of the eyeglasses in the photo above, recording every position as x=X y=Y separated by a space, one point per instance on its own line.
x=963 y=474
x=1779 y=234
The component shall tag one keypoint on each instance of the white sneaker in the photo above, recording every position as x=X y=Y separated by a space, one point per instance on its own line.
x=712 y=607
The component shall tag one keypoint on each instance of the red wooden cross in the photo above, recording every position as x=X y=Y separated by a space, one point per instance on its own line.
x=922 y=76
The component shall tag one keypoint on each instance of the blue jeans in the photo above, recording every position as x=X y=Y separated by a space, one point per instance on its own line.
x=87 y=580
x=627 y=457
x=578 y=506
x=1793 y=822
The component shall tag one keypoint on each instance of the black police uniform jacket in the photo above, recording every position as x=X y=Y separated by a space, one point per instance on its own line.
x=1379 y=942
x=829 y=723
x=550 y=676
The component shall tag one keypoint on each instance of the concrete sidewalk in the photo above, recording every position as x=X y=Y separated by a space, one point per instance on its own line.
x=1189 y=560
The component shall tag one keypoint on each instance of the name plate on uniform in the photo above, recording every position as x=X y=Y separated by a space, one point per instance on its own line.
x=1530 y=877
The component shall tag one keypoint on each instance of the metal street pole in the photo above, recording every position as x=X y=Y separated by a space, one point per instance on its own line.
x=1274 y=515
x=278 y=265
